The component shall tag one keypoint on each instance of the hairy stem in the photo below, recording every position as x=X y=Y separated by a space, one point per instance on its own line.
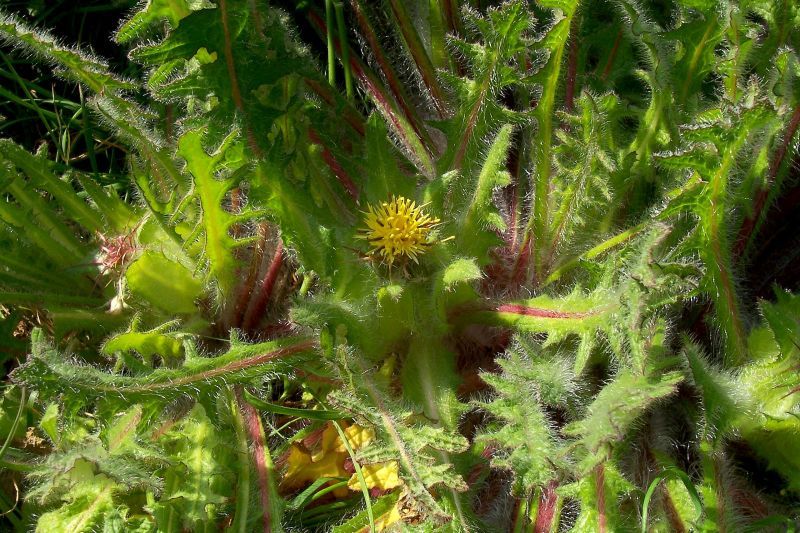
x=750 y=223
x=420 y=55
x=269 y=499
x=258 y=306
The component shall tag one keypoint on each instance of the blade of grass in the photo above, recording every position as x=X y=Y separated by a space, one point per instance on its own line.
x=22 y=401
x=666 y=474
x=340 y=23
x=310 y=414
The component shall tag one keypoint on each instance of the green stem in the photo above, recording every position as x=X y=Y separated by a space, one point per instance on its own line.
x=345 y=47
x=39 y=111
x=596 y=251
x=329 y=41
x=16 y=467
x=674 y=197
x=522 y=520
x=308 y=279
x=359 y=473
x=430 y=379
x=690 y=76
x=329 y=489
x=436 y=23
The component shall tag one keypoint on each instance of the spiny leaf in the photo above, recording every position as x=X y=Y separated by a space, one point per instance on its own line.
x=460 y=271
x=617 y=406
x=478 y=220
x=154 y=12
x=36 y=170
x=504 y=37
x=71 y=63
x=196 y=484
x=574 y=313
x=527 y=444
x=48 y=370
x=91 y=500
x=211 y=193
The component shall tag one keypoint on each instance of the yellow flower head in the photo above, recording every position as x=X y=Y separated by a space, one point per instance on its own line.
x=398 y=228
x=327 y=459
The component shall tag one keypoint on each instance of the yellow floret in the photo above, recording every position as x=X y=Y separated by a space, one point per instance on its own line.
x=383 y=476
x=398 y=228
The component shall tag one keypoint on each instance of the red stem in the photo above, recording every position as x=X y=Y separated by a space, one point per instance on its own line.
x=481 y=468
x=520 y=271
x=384 y=101
x=341 y=175
x=542 y=313
x=395 y=85
x=513 y=190
x=449 y=16
x=417 y=51
x=548 y=504
x=722 y=504
x=749 y=223
x=257 y=308
x=611 y=57
x=246 y=290
x=472 y=121
x=600 y=487
x=572 y=69
x=236 y=93
x=350 y=115
x=255 y=431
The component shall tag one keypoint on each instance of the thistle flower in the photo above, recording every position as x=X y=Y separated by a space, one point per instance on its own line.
x=115 y=251
x=398 y=228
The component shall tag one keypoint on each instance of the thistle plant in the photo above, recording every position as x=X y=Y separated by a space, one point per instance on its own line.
x=411 y=266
